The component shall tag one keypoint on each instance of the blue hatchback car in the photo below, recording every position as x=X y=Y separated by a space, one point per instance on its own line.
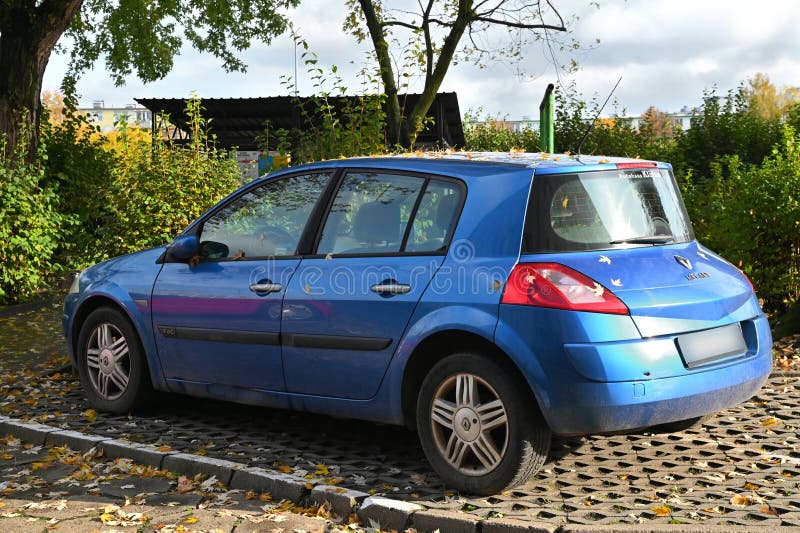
x=485 y=300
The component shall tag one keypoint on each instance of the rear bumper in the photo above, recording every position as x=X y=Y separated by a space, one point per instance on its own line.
x=588 y=406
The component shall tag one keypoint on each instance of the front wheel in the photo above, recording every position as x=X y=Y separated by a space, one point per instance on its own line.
x=479 y=429
x=111 y=363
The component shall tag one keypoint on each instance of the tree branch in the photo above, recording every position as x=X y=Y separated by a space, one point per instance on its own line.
x=521 y=25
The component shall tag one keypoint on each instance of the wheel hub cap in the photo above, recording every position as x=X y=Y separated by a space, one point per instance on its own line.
x=467 y=425
x=106 y=361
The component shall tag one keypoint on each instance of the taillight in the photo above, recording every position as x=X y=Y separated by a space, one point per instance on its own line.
x=637 y=164
x=560 y=287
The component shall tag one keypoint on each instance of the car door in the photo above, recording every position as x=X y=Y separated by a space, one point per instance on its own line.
x=384 y=237
x=217 y=320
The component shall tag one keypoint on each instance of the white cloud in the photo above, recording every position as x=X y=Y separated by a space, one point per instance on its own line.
x=667 y=52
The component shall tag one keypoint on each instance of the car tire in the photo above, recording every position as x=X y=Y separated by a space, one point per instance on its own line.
x=111 y=364
x=478 y=425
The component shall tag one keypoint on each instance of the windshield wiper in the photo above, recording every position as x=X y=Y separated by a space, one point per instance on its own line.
x=646 y=239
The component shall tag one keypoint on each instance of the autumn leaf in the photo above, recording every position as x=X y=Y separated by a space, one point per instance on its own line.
x=766 y=509
x=191 y=520
x=285 y=469
x=7 y=457
x=90 y=414
x=321 y=470
x=164 y=448
x=662 y=510
x=41 y=465
x=184 y=485
x=741 y=500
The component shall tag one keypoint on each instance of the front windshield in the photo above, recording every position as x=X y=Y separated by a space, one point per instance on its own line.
x=605 y=209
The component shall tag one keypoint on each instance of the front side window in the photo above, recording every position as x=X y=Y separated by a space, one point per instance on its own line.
x=267 y=221
x=605 y=209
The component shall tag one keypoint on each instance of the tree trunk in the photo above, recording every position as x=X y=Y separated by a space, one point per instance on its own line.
x=27 y=38
x=393 y=114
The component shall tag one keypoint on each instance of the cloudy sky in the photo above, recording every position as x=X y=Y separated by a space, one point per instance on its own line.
x=667 y=53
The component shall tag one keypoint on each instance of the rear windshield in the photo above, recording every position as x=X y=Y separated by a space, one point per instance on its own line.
x=603 y=210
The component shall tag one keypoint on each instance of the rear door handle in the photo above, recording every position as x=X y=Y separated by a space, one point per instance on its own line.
x=266 y=288
x=391 y=288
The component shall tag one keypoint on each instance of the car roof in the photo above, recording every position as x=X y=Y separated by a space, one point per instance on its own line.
x=476 y=164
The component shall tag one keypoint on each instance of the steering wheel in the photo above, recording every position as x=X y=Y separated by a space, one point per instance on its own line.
x=277 y=235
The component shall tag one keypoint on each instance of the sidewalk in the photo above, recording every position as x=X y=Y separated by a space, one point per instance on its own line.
x=739 y=471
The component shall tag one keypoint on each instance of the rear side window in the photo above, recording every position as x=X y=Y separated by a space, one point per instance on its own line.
x=606 y=209
x=384 y=213
x=370 y=213
x=435 y=218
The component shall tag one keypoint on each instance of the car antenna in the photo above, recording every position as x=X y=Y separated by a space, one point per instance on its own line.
x=586 y=133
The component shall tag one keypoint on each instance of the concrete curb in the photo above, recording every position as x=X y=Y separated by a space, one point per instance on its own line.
x=390 y=514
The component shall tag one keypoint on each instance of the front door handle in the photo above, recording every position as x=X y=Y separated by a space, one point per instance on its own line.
x=391 y=288
x=266 y=288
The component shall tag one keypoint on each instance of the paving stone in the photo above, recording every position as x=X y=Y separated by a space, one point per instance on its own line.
x=390 y=514
x=174 y=499
x=24 y=457
x=29 y=432
x=279 y=486
x=90 y=501
x=75 y=440
x=55 y=472
x=131 y=486
x=191 y=465
x=450 y=521
x=137 y=452
x=510 y=525
x=341 y=500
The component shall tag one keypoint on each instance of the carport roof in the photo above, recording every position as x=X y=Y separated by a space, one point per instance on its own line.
x=237 y=122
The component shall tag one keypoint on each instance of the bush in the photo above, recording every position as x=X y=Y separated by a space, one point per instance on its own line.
x=79 y=165
x=158 y=188
x=727 y=126
x=751 y=215
x=491 y=135
x=30 y=224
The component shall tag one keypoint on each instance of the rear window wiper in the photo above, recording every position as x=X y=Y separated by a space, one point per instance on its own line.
x=646 y=239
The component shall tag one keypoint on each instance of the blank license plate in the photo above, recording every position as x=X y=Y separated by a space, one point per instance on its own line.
x=706 y=346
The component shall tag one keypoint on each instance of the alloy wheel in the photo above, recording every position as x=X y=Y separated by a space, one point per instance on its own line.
x=108 y=361
x=469 y=424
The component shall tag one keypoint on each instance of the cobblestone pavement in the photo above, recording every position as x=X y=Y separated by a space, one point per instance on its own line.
x=54 y=488
x=740 y=467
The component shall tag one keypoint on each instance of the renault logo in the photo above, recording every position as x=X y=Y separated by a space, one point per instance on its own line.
x=466 y=425
x=685 y=263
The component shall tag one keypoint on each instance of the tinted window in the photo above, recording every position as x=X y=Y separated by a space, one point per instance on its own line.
x=601 y=210
x=435 y=218
x=264 y=222
x=370 y=213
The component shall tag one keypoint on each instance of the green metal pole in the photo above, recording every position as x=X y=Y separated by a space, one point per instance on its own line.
x=546 y=134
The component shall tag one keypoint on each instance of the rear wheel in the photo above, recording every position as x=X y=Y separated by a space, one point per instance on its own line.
x=479 y=429
x=111 y=363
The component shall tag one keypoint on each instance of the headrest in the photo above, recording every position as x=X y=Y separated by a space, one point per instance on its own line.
x=446 y=211
x=377 y=222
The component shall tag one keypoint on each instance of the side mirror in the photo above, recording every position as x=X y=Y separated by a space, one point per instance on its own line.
x=183 y=248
